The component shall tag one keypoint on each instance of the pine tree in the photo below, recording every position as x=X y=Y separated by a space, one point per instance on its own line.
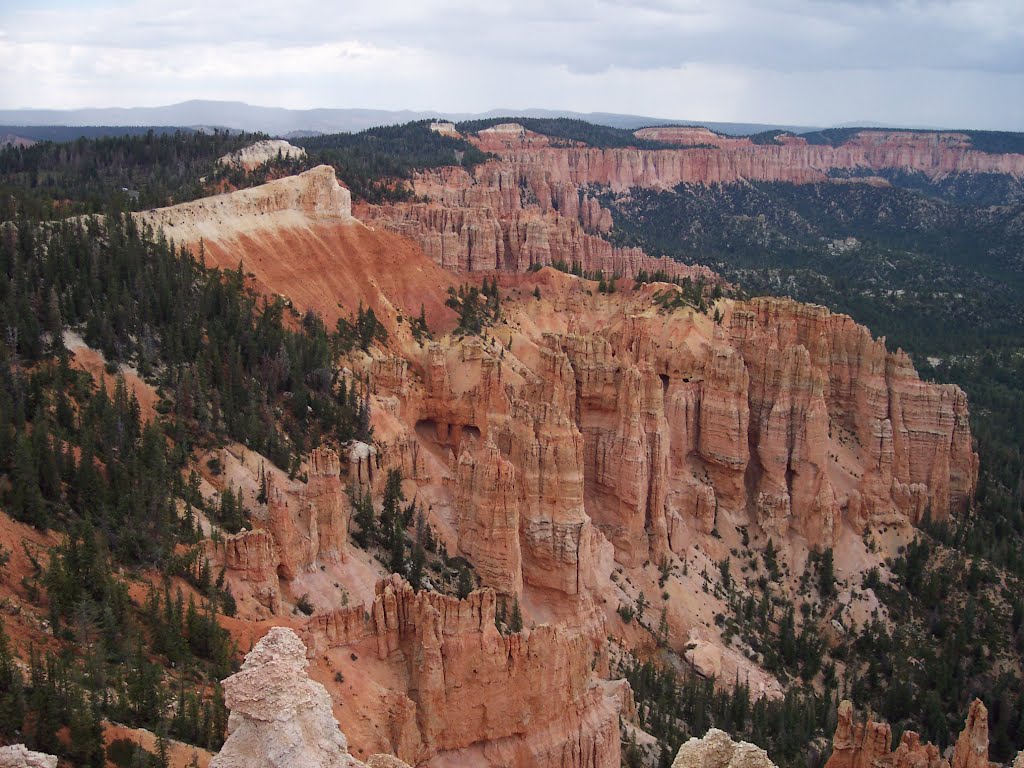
x=465 y=585
x=363 y=516
x=398 y=553
x=516 y=622
x=826 y=575
x=418 y=561
x=262 y=497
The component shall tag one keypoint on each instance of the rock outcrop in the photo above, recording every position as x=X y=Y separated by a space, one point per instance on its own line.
x=19 y=756
x=311 y=526
x=867 y=744
x=302 y=527
x=255 y=155
x=515 y=237
x=251 y=558
x=292 y=201
x=279 y=717
x=717 y=750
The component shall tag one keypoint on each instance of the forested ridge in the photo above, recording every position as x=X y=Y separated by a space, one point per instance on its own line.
x=566 y=130
x=231 y=366
x=377 y=163
x=134 y=172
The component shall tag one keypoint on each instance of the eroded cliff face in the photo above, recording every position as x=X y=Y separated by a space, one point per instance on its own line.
x=506 y=218
x=301 y=527
x=651 y=424
x=515 y=697
x=457 y=686
x=536 y=203
x=729 y=160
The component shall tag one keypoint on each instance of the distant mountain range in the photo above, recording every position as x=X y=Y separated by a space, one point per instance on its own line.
x=278 y=121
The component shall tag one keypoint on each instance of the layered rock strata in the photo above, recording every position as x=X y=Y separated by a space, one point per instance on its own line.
x=793 y=159
x=654 y=423
x=579 y=427
x=537 y=203
x=302 y=526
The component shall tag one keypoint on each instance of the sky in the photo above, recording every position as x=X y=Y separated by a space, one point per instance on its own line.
x=931 y=63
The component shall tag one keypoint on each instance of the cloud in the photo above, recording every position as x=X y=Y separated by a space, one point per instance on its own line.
x=949 y=60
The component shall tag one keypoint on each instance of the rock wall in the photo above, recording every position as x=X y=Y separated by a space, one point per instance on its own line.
x=528 y=698
x=534 y=205
x=650 y=424
x=521 y=484
x=514 y=239
x=311 y=526
x=471 y=685
x=813 y=374
x=754 y=417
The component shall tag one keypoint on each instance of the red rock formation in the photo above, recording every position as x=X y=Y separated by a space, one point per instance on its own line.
x=533 y=205
x=297 y=238
x=534 y=433
x=488 y=518
x=466 y=239
x=279 y=717
x=252 y=558
x=972 y=746
x=473 y=686
x=579 y=419
x=858 y=745
x=335 y=629
x=866 y=745
x=934 y=154
x=914 y=438
x=310 y=527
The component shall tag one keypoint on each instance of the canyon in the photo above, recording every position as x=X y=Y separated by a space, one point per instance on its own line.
x=617 y=459
x=579 y=439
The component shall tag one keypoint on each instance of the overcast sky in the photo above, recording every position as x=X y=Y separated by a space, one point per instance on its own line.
x=811 y=62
